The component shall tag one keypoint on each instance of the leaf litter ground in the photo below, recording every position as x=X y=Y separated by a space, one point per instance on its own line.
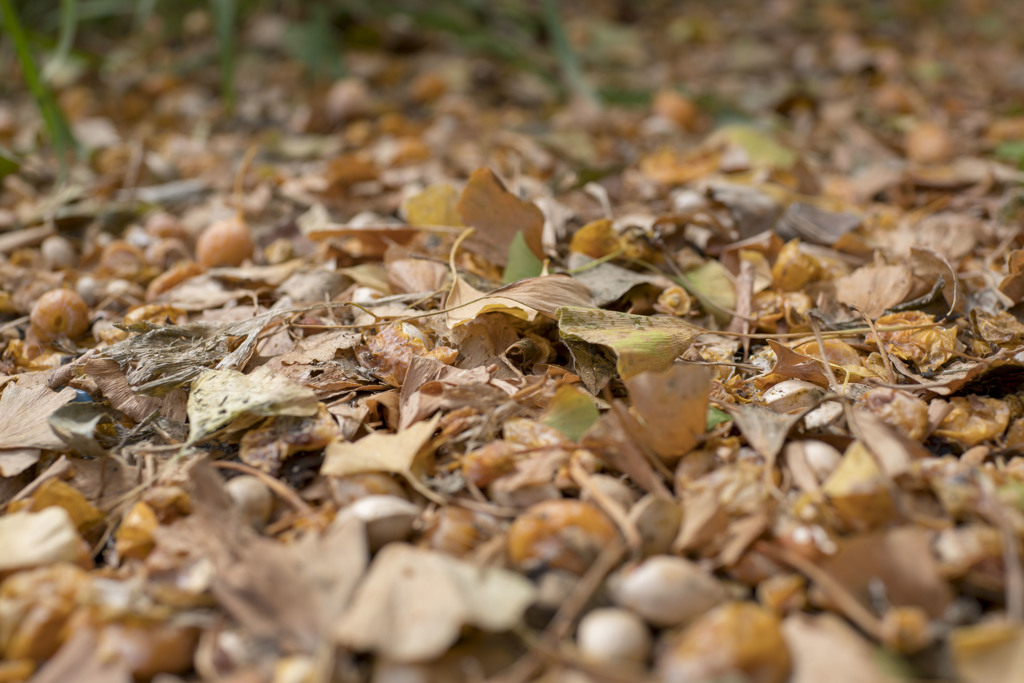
x=427 y=376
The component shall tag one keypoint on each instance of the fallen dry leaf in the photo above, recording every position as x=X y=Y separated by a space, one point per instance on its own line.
x=497 y=215
x=640 y=343
x=36 y=539
x=414 y=603
x=673 y=406
x=523 y=299
x=398 y=453
x=24 y=413
x=220 y=397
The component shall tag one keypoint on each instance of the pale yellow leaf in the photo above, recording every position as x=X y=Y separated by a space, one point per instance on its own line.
x=35 y=539
x=23 y=416
x=523 y=299
x=414 y=603
x=379 y=451
x=219 y=397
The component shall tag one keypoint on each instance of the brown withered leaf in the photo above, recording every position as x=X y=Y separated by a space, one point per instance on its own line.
x=793 y=365
x=288 y=594
x=673 y=406
x=901 y=561
x=398 y=453
x=118 y=390
x=497 y=215
x=1013 y=284
x=271 y=443
x=764 y=429
x=874 y=289
x=824 y=647
x=619 y=446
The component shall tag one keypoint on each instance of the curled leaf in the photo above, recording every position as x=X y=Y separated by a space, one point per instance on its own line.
x=640 y=342
x=219 y=397
x=523 y=299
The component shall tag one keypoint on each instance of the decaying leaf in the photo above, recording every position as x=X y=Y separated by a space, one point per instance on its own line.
x=640 y=342
x=928 y=347
x=381 y=452
x=118 y=390
x=825 y=648
x=36 y=539
x=414 y=603
x=765 y=429
x=219 y=397
x=523 y=299
x=434 y=205
x=858 y=490
x=163 y=357
x=899 y=560
x=974 y=419
x=571 y=412
x=673 y=406
x=269 y=445
x=498 y=216
x=989 y=652
x=24 y=413
x=873 y=289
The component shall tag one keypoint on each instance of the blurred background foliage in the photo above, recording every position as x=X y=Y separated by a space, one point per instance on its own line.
x=53 y=41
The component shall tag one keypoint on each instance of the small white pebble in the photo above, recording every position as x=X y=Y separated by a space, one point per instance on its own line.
x=90 y=289
x=58 y=252
x=610 y=633
x=252 y=498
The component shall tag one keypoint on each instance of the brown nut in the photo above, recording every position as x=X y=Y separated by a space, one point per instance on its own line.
x=59 y=312
x=734 y=638
x=559 y=534
x=351 y=487
x=225 y=243
x=456 y=531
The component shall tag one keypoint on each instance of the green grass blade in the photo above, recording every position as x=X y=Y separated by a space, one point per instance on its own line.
x=225 y=15
x=143 y=11
x=568 y=61
x=53 y=118
x=68 y=27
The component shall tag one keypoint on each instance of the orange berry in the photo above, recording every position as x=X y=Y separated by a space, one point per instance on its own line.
x=59 y=312
x=224 y=243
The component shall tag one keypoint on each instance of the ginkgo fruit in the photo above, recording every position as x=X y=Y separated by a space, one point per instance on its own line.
x=226 y=242
x=59 y=313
